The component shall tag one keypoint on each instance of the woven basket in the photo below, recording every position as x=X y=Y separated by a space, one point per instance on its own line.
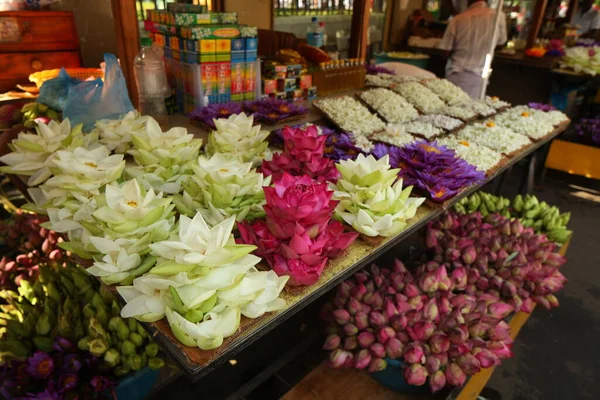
x=79 y=73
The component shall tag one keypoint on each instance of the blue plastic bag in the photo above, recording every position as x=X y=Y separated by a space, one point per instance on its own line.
x=91 y=101
x=54 y=92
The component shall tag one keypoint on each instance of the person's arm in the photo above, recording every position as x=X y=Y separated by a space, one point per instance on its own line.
x=502 y=38
x=447 y=42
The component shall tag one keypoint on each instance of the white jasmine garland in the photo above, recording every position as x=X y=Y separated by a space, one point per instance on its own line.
x=421 y=97
x=391 y=106
x=378 y=80
x=496 y=103
x=442 y=121
x=481 y=108
x=526 y=122
x=447 y=91
x=393 y=134
x=350 y=115
x=461 y=112
x=480 y=156
x=362 y=142
x=495 y=137
x=425 y=129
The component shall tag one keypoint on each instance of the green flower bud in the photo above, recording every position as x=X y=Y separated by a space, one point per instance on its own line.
x=106 y=295
x=127 y=348
x=43 y=325
x=83 y=344
x=121 y=370
x=144 y=359
x=89 y=311
x=136 y=362
x=95 y=329
x=114 y=323
x=132 y=324
x=156 y=363
x=151 y=350
x=98 y=347
x=142 y=331
x=123 y=331
x=112 y=357
x=136 y=339
x=115 y=309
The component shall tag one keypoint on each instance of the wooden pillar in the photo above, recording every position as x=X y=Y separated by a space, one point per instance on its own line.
x=536 y=21
x=571 y=10
x=128 y=41
x=387 y=27
x=360 y=24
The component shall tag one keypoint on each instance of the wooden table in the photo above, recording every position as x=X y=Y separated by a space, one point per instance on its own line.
x=324 y=383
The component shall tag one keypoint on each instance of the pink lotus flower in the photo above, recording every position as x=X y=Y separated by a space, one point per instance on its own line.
x=259 y=235
x=437 y=381
x=303 y=143
x=415 y=375
x=301 y=273
x=298 y=201
x=455 y=376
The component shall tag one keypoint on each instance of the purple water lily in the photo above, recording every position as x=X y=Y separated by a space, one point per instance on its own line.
x=208 y=113
x=431 y=167
x=68 y=382
x=542 y=107
x=101 y=383
x=72 y=363
x=376 y=70
x=272 y=111
x=40 y=365
x=589 y=127
x=63 y=345
x=49 y=394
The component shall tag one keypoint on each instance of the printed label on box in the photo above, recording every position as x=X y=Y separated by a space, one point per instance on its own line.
x=238 y=45
x=223 y=45
x=208 y=46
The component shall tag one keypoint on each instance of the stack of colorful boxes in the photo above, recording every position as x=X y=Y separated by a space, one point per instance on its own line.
x=287 y=82
x=209 y=56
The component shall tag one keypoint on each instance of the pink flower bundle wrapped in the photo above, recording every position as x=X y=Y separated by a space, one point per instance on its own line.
x=298 y=236
x=303 y=154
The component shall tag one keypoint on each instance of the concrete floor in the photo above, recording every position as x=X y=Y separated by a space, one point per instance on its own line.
x=556 y=353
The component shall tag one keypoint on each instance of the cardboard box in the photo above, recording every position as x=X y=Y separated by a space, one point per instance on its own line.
x=294 y=70
x=238 y=56
x=237 y=77
x=276 y=72
x=192 y=45
x=223 y=46
x=208 y=46
x=251 y=44
x=223 y=78
x=249 y=96
x=298 y=94
x=190 y=8
x=237 y=96
x=251 y=55
x=286 y=85
x=250 y=77
x=210 y=32
x=190 y=57
x=311 y=92
x=223 y=57
x=176 y=54
x=208 y=58
x=269 y=86
x=304 y=81
x=189 y=19
x=238 y=45
x=281 y=96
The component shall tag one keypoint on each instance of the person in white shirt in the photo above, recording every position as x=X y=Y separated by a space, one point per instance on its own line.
x=467 y=38
x=588 y=19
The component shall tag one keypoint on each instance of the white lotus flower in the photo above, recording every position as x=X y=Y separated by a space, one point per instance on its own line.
x=149 y=296
x=160 y=179
x=129 y=212
x=197 y=245
x=237 y=136
x=208 y=334
x=153 y=146
x=116 y=133
x=372 y=199
x=115 y=269
x=30 y=152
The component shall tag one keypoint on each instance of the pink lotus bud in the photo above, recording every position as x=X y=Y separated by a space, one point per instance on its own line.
x=509 y=289
x=500 y=332
x=338 y=358
x=353 y=306
x=429 y=282
x=385 y=333
x=361 y=320
x=390 y=291
x=555 y=260
x=414 y=353
x=444 y=306
x=390 y=309
x=368 y=299
x=399 y=322
x=403 y=337
x=421 y=331
x=472 y=317
x=398 y=282
x=394 y=348
x=443 y=357
x=350 y=343
x=350 y=329
x=469 y=255
x=378 y=280
x=496 y=282
x=415 y=375
x=528 y=305
x=399 y=267
x=332 y=342
x=338 y=302
x=377 y=350
x=459 y=278
x=437 y=381
x=377 y=301
x=482 y=284
x=343 y=290
x=413 y=316
x=516 y=228
x=411 y=290
x=457 y=316
x=455 y=376
x=500 y=309
x=459 y=335
x=432 y=364
x=430 y=310
x=361 y=277
x=473 y=276
x=375 y=270
x=478 y=329
x=469 y=364
x=341 y=316
x=370 y=286
x=377 y=364
x=386 y=272
x=358 y=291
x=365 y=339
x=496 y=245
x=486 y=358
x=431 y=238
x=457 y=350
x=552 y=300
x=362 y=359
x=500 y=349
x=376 y=319
x=416 y=303
x=439 y=343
